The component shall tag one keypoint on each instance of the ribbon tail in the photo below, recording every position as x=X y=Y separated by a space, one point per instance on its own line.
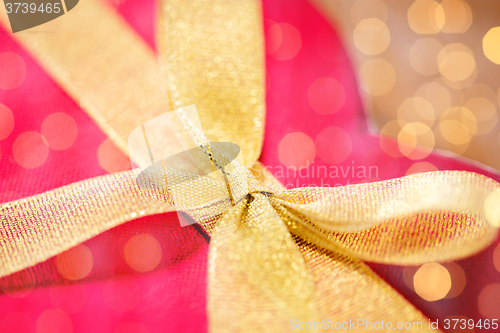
x=349 y=293
x=36 y=228
x=258 y=279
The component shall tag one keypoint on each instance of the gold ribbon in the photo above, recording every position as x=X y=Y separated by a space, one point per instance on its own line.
x=276 y=255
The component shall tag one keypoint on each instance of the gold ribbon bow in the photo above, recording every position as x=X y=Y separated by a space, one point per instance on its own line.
x=277 y=255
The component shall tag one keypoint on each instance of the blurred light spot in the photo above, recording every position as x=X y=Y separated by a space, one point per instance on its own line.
x=487 y=301
x=13 y=70
x=274 y=37
x=6 y=121
x=458 y=16
x=424 y=56
x=416 y=109
x=436 y=94
x=326 y=95
x=60 y=130
x=111 y=159
x=70 y=298
x=496 y=258
x=54 y=321
x=121 y=295
x=485 y=113
x=432 y=282
x=371 y=36
x=457 y=125
x=377 y=77
x=458 y=279
x=388 y=141
x=296 y=150
x=30 y=150
x=143 y=252
x=416 y=140
x=491 y=45
x=132 y=328
x=17 y=322
x=456 y=62
x=492 y=208
x=479 y=90
x=76 y=263
x=454 y=132
x=363 y=9
x=421 y=167
x=291 y=42
x=333 y=145
x=426 y=17
x=462 y=114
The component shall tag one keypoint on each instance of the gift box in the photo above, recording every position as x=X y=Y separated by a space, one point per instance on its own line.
x=90 y=255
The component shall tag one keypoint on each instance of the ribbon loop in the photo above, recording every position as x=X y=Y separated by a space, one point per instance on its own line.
x=432 y=217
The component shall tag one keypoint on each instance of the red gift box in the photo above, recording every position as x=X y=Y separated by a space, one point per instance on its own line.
x=113 y=288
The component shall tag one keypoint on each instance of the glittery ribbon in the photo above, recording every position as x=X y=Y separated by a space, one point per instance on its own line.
x=277 y=255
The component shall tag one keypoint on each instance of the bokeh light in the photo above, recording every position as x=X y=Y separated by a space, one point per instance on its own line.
x=143 y=252
x=70 y=298
x=297 y=150
x=457 y=125
x=458 y=16
x=454 y=132
x=485 y=113
x=487 y=301
x=6 y=121
x=371 y=36
x=60 y=130
x=377 y=77
x=416 y=109
x=436 y=94
x=290 y=44
x=29 y=150
x=416 y=140
x=274 y=37
x=456 y=62
x=432 y=282
x=13 y=70
x=363 y=9
x=492 y=208
x=426 y=17
x=326 y=95
x=477 y=91
x=111 y=158
x=424 y=56
x=458 y=279
x=121 y=295
x=333 y=145
x=76 y=263
x=421 y=167
x=491 y=45
x=54 y=321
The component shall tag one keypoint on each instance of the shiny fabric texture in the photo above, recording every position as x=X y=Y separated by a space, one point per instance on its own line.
x=275 y=255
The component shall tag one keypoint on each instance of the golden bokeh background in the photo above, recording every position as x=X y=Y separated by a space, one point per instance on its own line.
x=428 y=71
